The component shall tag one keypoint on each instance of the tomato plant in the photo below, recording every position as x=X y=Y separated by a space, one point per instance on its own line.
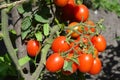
x=81 y=13
x=58 y=36
x=60 y=44
x=96 y=67
x=54 y=62
x=99 y=42
x=33 y=47
x=85 y=62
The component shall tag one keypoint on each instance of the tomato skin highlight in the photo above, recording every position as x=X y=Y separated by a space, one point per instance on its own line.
x=33 y=47
x=81 y=13
x=99 y=42
x=54 y=62
x=85 y=62
x=96 y=67
x=60 y=3
x=60 y=45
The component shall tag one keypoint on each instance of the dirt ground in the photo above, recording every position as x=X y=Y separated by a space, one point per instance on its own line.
x=111 y=57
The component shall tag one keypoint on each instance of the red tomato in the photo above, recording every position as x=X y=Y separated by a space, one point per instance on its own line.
x=54 y=62
x=33 y=47
x=76 y=27
x=85 y=62
x=60 y=3
x=96 y=67
x=91 y=25
x=74 y=65
x=99 y=42
x=81 y=13
x=60 y=45
x=67 y=10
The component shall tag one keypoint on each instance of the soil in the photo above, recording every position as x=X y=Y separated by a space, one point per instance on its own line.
x=111 y=57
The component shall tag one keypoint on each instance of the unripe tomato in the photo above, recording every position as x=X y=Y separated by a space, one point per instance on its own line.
x=60 y=44
x=81 y=13
x=60 y=3
x=85 y=62
x=99 y=42
x=96 y=67
x=54 y=62
x=33 y=47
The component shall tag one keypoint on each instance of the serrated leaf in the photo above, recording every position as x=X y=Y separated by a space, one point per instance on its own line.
x=24 y=60
x=25 y=33
x=38 y=35
x=46 y=29
x=26 y=23
x=20 y=9
x=67 y=66
x=41 y=18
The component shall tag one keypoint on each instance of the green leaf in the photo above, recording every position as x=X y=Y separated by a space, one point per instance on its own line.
x=20 y=9
x=24 y=60
x=67 y=66
x=25 y=33
x=26 y=23
x=1 y=59
x=38 y=35
x=75 y=60
x=117 y=38
x=41 y=18
x=13 y=31
x=102 y=27
x=46 y=29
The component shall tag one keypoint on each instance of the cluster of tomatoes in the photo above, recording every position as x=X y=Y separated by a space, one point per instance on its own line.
x=79 y=48
x=81 y=44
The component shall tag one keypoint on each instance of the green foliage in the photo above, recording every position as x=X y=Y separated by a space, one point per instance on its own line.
x=110 y=5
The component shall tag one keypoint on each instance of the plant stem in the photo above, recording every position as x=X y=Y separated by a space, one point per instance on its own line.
x=8 y=42
x=42 y=62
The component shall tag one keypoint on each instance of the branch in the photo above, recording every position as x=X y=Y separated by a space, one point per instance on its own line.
x=8 y=42
x=12 y=4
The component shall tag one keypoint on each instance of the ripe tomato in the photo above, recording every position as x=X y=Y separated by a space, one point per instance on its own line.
x=75 y=26
x=95 y=52
x=60 y=3
x=85 y=62
x=33 y=47
x=67 y=10
x=54 y=62
x=81 y=13
x=74 y=65
x=99 y=42
x=60 y=45
x=96 y=67
x=90 y=24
